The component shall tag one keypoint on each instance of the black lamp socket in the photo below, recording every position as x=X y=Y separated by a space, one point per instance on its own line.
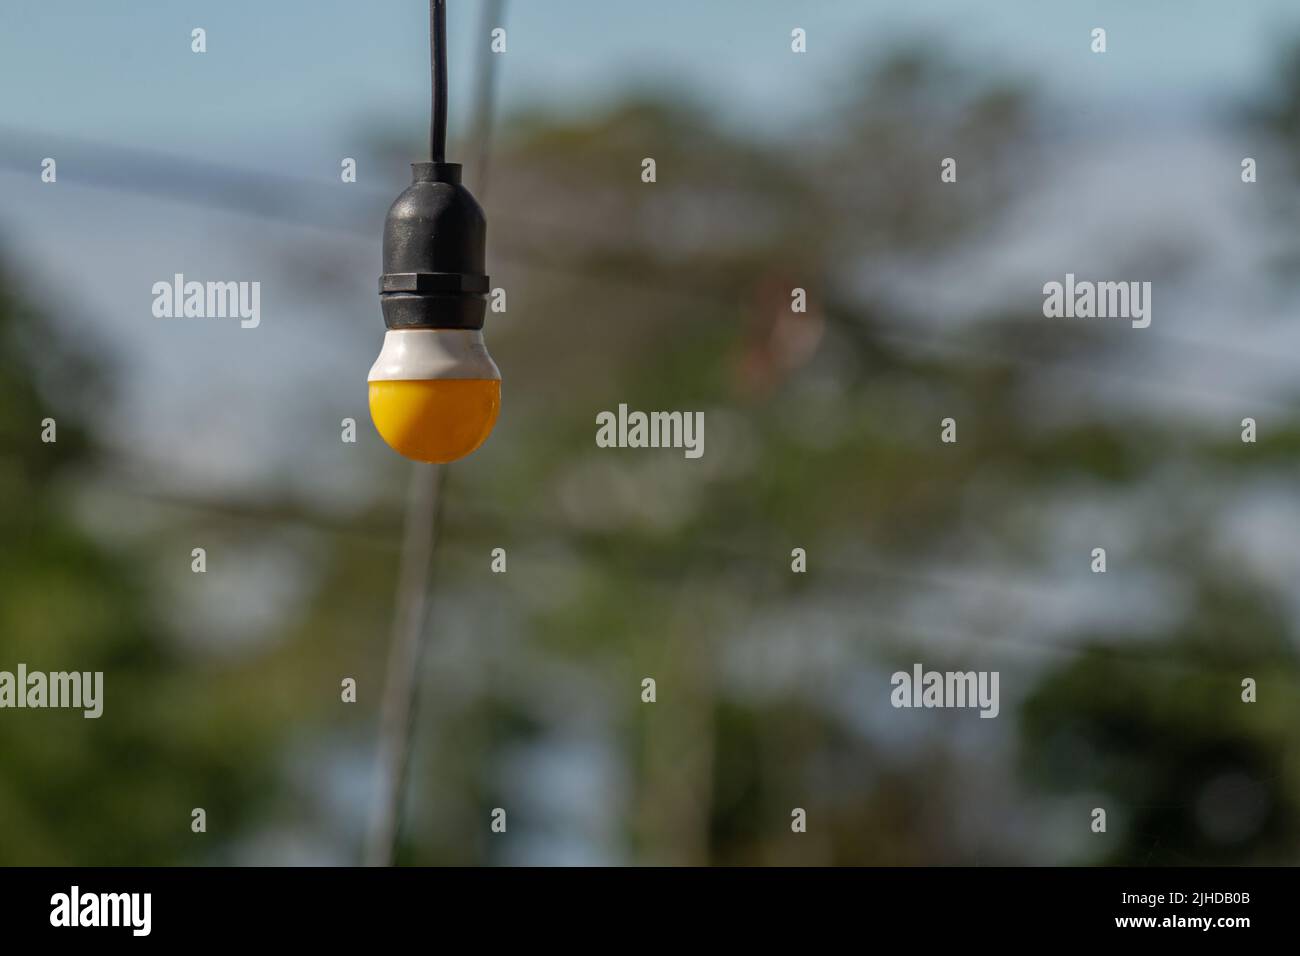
x=435 y=239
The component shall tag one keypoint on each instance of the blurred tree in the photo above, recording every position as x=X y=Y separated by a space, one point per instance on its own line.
x=1157 y=731
x=821 y=433
x=678 y=294
x=117 y=789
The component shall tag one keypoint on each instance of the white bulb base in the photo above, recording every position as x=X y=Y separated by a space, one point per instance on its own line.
x=433 y=355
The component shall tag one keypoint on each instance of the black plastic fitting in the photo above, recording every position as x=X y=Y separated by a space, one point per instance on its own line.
x=435 y=242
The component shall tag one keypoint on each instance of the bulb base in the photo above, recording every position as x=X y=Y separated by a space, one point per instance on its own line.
x=429 y=354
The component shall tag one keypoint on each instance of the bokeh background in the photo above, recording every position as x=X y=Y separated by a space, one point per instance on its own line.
x=775 y=170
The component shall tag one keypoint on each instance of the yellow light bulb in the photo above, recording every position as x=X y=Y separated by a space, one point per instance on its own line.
x=434 y=393
x=439 y=420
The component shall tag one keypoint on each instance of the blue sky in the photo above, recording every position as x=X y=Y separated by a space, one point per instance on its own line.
x=289 y=86
x=282 y=74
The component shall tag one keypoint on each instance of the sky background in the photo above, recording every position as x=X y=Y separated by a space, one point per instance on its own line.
x=282 y=80
x=286 y=90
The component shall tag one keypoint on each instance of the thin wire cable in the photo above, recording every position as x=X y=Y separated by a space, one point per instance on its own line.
x=845 y=579
x=555 y=254
x=397 y=708
x=111 y=167
x=419 y=541
x=425 y=503
x=424 y=517
x=485 y=83
x=438 y=71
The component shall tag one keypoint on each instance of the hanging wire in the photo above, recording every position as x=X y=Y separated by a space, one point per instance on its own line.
x=425 y=502
x=438 y=71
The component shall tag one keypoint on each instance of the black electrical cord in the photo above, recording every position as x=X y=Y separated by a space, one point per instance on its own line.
x=438 y=68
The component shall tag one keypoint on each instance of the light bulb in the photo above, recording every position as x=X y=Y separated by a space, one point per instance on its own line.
x=434 y=393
